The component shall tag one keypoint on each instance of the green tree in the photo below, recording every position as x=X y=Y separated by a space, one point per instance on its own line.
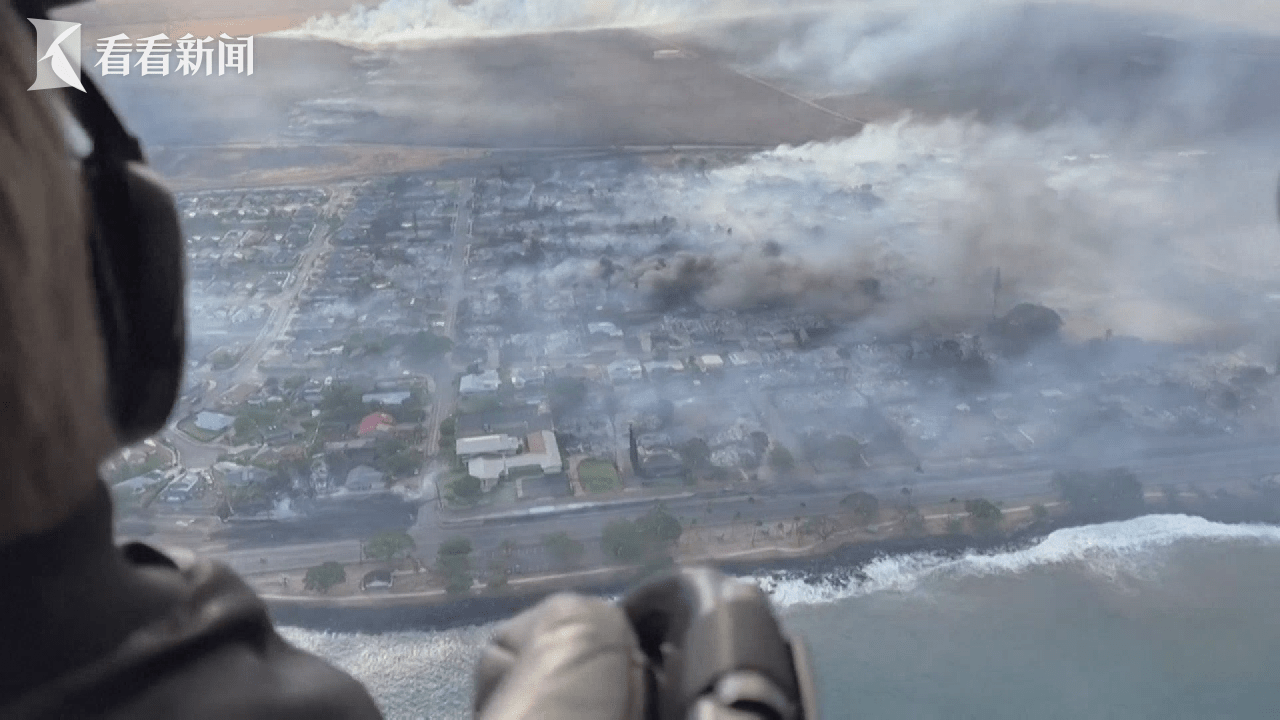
x=386 y=546
x=565 y=552
x=244 y=427
x=955 y=525
x=222 y=360
x=696 y=455
x=467 y=488
x=984 y=516
x=343 y=403
x=864 y=506
x=1039 y=513
x=846 y=448
x=659 y=526
x=453 y=561
x=499 y=573
x=458 y=583
x=455 y=546
x=324 y=577
x=781 y=459
x=622 y=541
x=394 y=457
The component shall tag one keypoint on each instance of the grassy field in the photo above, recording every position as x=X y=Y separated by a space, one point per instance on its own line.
x=599 y=476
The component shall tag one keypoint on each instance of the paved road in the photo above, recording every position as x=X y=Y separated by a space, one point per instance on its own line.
x=285 y=305
x=442 y=404
x=289 y=557
x=1208 y=469
x=194 y=454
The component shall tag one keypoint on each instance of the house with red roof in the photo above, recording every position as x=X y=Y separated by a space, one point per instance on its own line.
x=374 y=423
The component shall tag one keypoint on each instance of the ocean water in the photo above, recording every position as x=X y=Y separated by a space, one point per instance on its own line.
x=1158 y=617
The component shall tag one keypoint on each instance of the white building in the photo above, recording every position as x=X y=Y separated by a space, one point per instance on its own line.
x=485 y=382
x=182 y=488
x=487 y=445
x=658 y=367
x=625 y=369
x=386 y=398
x=604 y=328
x=543 y=452
x=521 y=377
x=710 y=362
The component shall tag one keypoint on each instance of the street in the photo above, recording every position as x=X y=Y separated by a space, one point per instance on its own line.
x=442 y=403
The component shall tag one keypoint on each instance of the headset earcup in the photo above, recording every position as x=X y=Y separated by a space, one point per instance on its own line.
x=139 y=270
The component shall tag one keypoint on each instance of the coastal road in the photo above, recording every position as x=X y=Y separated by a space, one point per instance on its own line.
x=442 y=403
x=288 y=557
x=1207 y=469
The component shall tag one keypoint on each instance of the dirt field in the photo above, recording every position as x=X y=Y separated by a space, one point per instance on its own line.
x=599 y=88
x=240 y=166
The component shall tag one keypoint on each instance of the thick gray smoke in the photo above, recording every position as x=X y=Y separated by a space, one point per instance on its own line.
x=756 y=277
x=1117 y=169
x=1037 y=64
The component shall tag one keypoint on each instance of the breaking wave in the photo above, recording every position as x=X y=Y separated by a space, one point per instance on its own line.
x=418 y=675
x=1110 y=551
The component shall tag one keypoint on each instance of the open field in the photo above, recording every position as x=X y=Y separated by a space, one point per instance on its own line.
x=594 y=89
x=188 y=168
x=598 y=476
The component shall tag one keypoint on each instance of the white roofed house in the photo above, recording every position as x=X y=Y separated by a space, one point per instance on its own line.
x=183 y=487
x=485 y=382
x=521 y=377
x=604 y=328
x=541 y=451
x=625 y=369
x=660 y=367
x=386 y=398
x=363 y=477
x=487 y=445
x=710 y=362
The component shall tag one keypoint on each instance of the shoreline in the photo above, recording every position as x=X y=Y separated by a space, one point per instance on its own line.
x=843 y=563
